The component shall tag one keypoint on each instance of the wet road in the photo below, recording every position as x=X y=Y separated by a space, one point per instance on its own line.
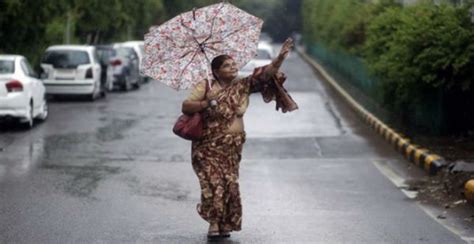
x=112 y=172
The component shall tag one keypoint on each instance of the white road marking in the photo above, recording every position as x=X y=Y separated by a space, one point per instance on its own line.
x=399 y=182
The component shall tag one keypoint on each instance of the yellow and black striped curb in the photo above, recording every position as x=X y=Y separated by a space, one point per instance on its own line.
x=431 y=163
x=469 y=190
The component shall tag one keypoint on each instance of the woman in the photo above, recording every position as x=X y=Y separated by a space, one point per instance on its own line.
x=216 y=157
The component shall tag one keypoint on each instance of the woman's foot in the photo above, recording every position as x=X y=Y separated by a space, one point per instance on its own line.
x=225 y=231
x=213 y=231
x=225 y=234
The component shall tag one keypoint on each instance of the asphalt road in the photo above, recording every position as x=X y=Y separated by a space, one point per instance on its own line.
x=111 y=171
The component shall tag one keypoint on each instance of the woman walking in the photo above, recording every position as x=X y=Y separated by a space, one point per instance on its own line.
x=216 y=157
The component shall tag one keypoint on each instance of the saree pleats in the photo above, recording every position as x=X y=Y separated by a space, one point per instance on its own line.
x=216 y=163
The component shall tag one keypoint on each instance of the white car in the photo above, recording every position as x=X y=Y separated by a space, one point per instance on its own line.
x=139 y=47
x=22 y=95
x=72 y=70
x=263 y=57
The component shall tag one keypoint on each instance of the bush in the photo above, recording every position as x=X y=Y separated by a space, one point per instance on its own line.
x=420 y=49
x=340 y=24
x=420 y=57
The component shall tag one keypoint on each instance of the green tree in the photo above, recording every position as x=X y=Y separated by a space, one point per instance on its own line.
x=420 y=49
x=28 y=27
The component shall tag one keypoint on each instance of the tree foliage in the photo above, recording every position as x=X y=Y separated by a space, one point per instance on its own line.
x=340 y=24
x=281 y=17
x=420 y=49
x=420 y=56
x=29 y=26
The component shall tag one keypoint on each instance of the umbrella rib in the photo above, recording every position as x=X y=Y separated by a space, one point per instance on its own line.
x=182 y=56
x=187 y=65
x=187 y=27
x=233 y=32
x=190 y=29
x=213 y=21
x=171 y=40
x=211 y=47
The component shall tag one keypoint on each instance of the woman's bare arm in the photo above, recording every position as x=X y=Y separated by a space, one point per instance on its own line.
x=190 y=107
x=278 y=61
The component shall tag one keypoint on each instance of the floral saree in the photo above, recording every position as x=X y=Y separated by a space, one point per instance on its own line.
x=216 y=157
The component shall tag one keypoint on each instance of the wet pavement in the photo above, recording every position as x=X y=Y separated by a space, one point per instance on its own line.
x=111 y=171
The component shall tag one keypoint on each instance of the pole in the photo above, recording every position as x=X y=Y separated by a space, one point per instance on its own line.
x=68 y=29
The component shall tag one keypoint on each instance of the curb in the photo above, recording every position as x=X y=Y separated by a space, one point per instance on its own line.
x=421 y=157
x=469 y=190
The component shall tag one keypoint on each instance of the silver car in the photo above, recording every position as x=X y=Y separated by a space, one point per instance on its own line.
x=124 y=67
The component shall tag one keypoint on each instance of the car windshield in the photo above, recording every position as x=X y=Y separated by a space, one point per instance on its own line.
x=105 y=54
x=7 y=67
x=262 y=54
x=124 y=52
x=66 y=58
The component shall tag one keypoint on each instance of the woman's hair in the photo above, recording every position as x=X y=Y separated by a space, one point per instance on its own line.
x=217 y=63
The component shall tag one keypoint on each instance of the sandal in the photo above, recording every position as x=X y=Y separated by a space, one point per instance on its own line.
x=213 y=232
x=225 y=234
x=225 y=231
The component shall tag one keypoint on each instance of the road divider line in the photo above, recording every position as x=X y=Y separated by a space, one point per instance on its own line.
x=427 y=161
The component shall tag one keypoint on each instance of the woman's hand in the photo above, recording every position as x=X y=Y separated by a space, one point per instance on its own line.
x=190 y=107
x=284 y=51
x=286 y=48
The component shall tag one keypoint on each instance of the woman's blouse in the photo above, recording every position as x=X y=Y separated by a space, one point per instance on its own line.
x=234 y=99
x=197 y=94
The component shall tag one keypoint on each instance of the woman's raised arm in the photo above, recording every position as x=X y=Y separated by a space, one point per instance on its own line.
x=264 y=74
x=284 y=51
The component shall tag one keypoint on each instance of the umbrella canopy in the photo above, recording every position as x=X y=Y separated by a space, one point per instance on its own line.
x=178 y=52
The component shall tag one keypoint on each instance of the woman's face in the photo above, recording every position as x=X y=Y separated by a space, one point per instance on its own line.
x=228 y=70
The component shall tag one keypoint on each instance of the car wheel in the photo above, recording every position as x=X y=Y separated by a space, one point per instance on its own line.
x=136 y=85
x=96 y=92
x=44 y=114
x=93 y=95
x=103 y=90
x=28 y=123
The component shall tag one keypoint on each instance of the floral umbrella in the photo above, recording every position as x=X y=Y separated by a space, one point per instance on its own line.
x=178 y=52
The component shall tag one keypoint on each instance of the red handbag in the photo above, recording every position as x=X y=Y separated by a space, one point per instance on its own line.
x=190 y=127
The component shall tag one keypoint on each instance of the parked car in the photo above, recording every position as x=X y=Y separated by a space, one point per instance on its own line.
x=72 y=70
x=105 y=53
x=263 y=57
x=265 y=37
x=22 y=94
x=139 y=48
x=124 y=66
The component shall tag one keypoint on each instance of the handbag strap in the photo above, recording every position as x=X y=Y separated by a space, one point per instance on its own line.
x=207 y=89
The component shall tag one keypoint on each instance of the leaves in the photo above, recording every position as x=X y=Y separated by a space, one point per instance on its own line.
x=422 y=44
x=28 y=27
